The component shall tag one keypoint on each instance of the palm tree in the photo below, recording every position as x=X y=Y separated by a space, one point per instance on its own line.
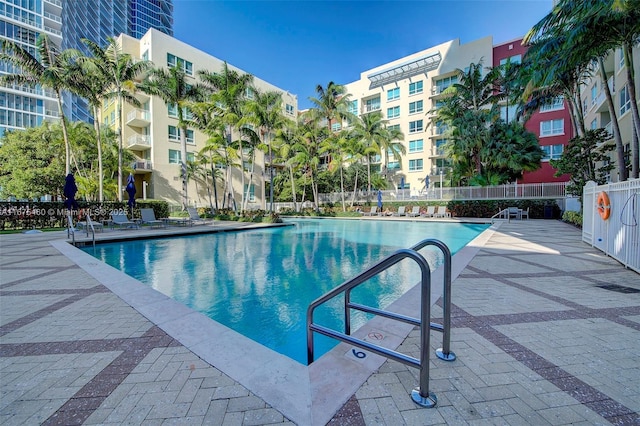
x=172 y=87
x=307 y=149
x=468 y=111
x=586 y=31
x=332 y=103
x=285 y=142
x=48 y=68
x=265 y=111
x=121 y=70
x=378 y=139
x=229 y=93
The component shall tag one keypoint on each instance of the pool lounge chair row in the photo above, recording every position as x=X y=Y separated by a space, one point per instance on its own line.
x=432 y=211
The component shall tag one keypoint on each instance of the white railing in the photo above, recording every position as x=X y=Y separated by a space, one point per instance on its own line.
x=138 y=114
x=619 y=235
x=138 y=140
x=554 y=190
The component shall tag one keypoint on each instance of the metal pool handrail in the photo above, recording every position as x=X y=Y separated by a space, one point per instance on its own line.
x=420 y=395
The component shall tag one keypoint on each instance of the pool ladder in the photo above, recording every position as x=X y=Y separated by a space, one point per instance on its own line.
x=420 y=395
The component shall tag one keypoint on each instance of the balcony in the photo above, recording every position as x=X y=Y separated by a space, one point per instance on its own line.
x=138 y=118
x=599 y=104
x=139 y=142
x=370 y=108
x=142 y=166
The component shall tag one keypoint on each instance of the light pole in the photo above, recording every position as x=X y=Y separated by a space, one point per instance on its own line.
x=441 y=184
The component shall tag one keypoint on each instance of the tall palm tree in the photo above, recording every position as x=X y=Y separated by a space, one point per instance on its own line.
x=307 y=148
x=229 y=93
x=332 y=103
x=48 y=68
x=285 y=142
x=265 y=111
x=121 y=70
x=173 y=88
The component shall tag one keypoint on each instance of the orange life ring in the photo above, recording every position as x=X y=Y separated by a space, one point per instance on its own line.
x=604 y=205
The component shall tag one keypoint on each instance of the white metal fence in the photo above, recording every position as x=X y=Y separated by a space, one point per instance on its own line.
x=498 y=192
x=619 y=235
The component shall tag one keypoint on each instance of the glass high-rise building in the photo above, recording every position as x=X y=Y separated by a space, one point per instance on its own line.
x=66 y=22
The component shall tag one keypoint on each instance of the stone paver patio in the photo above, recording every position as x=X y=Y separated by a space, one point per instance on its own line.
x=546 y=331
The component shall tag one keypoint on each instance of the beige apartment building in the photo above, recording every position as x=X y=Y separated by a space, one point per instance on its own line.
x=596 y=109
x=406 y=91
x=151 y=132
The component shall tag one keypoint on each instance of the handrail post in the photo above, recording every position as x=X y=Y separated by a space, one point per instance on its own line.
x=444 y=353
x=421 y=395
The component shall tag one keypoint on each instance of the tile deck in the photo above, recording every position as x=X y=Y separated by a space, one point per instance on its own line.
x=546 y=331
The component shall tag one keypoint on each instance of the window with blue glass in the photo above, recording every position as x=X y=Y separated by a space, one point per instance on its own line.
x=416 y=145
x=393 y=94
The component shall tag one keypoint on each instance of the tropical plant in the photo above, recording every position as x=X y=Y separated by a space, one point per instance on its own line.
x=229 y=90
x=265 y=112
x=173 y=88
x=468 y=111
x=580 y=159
x=46 y=67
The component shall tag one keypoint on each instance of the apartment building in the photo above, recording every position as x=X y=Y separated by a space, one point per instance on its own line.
x=408 y=90
x=152 y=134
x=551 y=123
x=596 y=109
x=66 y=22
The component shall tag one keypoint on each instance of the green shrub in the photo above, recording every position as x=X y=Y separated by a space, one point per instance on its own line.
x=574 y=218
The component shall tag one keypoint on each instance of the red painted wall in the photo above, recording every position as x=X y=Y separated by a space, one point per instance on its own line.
x=546 y=172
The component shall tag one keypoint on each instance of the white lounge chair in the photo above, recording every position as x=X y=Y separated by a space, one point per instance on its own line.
x=442 y=212
x=374 y=210
x=431 y=211
x=415 y=212
x=400 y=212
x=194 y=217
x=515 y=213
x=149 y=218
x=524 y=213
x=121 y=220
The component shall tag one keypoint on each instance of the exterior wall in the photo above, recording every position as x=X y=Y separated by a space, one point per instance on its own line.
x=453 y=56
x=150 y=125
x=596 y=109
x=513 y=49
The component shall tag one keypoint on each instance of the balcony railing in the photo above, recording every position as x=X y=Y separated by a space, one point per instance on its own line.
x=138 y=118
x=139 y=142
x=142 y=165
x=370 y=108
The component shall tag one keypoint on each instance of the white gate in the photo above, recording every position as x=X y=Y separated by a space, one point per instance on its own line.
x=618 y=235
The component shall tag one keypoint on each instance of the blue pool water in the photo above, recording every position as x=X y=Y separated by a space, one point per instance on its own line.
x=260 y=282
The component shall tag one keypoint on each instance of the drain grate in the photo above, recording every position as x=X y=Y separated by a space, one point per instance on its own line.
x=619 y=288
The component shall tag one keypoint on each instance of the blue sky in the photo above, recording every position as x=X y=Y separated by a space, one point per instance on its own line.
x=297 y=45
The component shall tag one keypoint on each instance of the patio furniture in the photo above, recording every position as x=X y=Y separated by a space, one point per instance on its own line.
x=374 y=210
x=514 y=212
x=122 y=221
x=400 y=212
x=431 y=211
x=415 y=212
x=524 y=213
x=149 y=218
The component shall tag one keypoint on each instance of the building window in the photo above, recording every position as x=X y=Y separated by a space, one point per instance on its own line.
x=508 y=113
x=415 y=107
x=440 y=143
x=625 y=100
x=552 y=152
x=552 y=127
x=443 y=83
x=248 y=93
x=554 y=104
x=172 y=111
x=393 y=112
x=415 y=165
x=415 y=87
x=174 y=61
x=174 y=156
x=394 y=128
x=515 y=59
x=416 y=145
x=174 y=135
x=335 y=127
x=288 y=109
x=441 y=128
x=621 y=60
x=416 y=126
x=594 y=93
x=353 y=107
x=594 y=124
x=372 y=104
x=393 y=165
x=252 y=193
x=393 y=94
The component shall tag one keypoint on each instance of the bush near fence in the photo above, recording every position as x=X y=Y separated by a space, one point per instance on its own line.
x=20 y=215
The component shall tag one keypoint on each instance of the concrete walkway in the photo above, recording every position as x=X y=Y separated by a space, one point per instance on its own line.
x=546 y=331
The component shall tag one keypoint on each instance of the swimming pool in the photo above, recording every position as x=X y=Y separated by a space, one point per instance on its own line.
x=260 y=282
